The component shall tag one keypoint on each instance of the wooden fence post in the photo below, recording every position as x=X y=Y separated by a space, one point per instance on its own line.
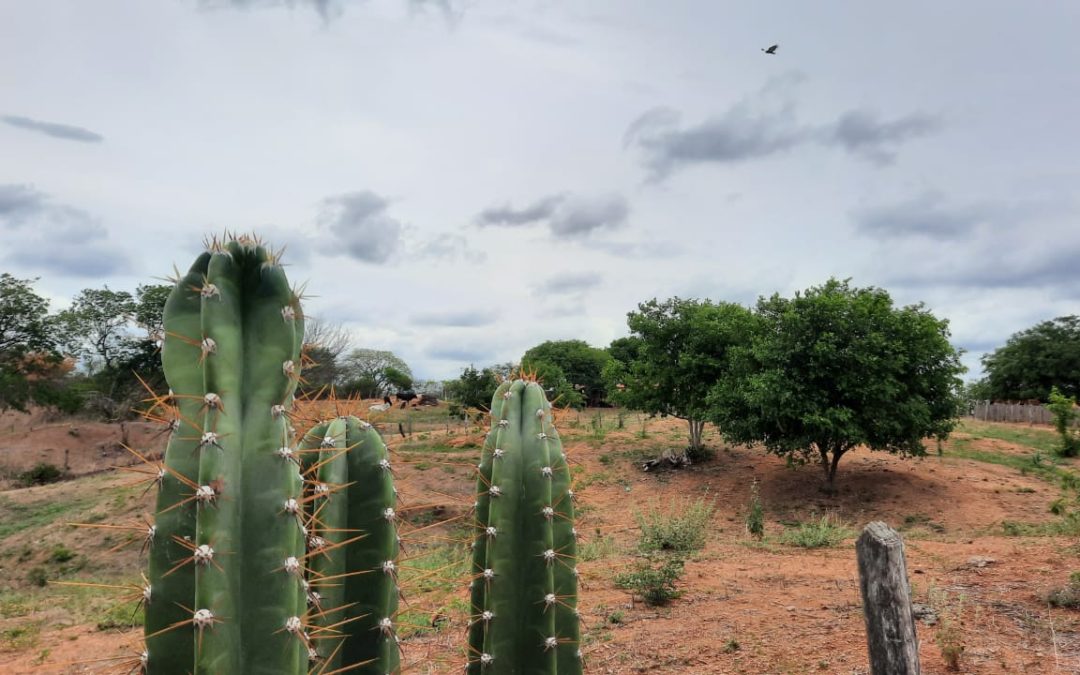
x=890 y=625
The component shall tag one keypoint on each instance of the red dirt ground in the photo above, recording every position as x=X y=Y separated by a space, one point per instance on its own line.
x=790 y=610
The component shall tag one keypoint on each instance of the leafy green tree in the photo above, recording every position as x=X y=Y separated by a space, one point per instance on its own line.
x=836 y=367
x=474 y=388
x=397 y=379
x=560 y=391
x=683 y=351
x=150 y=308
x=581 y=364
x=363 y=371
x=1034 y=361
x=96 y=327
x=24 y=318
x=28 y=358
x=625 y=349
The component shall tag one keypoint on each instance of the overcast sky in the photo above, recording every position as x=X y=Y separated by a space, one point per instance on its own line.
x=458 y=181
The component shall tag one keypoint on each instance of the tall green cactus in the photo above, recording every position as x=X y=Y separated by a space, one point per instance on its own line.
x=353 y=547
x=524 y=584
x=226 y=581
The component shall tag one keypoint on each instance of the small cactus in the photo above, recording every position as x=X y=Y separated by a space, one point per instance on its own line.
x=524 y=615
x=222 y=599
x=352 y=547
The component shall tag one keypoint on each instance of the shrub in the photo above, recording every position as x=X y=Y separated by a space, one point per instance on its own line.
x=38 y=576
x=597 y=547
x=41 y=474
x=1063 y=408
x=653 y=579
x=755 y=515
x=680 y=530
x=829 y=531
x=61 y=554
x=1067 y=596
x=949 y=635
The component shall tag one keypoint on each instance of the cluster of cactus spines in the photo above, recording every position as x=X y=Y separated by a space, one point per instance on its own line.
x=352 y=547
x=524 y=615
x=228 y=523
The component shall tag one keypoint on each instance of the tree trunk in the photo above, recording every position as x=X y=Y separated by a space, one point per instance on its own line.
x=837 y=453
x=696 y=428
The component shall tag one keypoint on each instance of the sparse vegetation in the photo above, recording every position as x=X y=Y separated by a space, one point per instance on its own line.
x=755 y=513
x=42 y=473
x=949 y=634
x=653 y=578
x=680 y=529
x=823 y=532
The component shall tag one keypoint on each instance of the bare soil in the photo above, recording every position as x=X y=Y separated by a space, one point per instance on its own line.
x=747 y=606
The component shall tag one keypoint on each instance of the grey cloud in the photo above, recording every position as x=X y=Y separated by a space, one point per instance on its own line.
x=738 y=135
x=64 y=131
x=508 y=216
x=457 y=319
x=450 y=247
x=860 y=132
x=570 y=283
x=926 y=214
x=18 y=202
x=566 y=215
x=578 y=216
x=359 y=223
x=999 y=266
x=761 y=126
x=42 y=234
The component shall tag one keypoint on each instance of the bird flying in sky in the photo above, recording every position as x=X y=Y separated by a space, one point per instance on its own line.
x=771 y=50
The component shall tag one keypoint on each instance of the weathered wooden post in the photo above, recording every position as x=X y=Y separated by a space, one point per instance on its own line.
x=890 y=624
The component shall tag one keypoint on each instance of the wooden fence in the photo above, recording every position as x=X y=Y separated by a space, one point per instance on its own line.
x=1010 y=412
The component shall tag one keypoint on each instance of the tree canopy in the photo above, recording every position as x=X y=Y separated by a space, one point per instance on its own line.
x=474 y=388
x=364 y=371
x=836 y=367
x=24 y=318
x=682 y=350
x=1034 y=361
x=27 y=343
x=95 y=327
x=579 y=363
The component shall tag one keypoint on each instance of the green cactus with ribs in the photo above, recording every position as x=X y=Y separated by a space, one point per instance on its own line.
x=524 y=616
x=353 y=546
x=269 y=556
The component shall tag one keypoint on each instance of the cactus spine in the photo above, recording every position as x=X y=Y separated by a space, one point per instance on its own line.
x=352 y=546
x=226 y=592
x=524 y=577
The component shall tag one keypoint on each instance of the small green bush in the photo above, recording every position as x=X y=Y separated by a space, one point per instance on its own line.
x=681 y=529
x=42 y=474
x=596 y=547
x=828 y=531
x=653 y=579
x=1063 y=408
x=38 y=576
x=61 y=554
